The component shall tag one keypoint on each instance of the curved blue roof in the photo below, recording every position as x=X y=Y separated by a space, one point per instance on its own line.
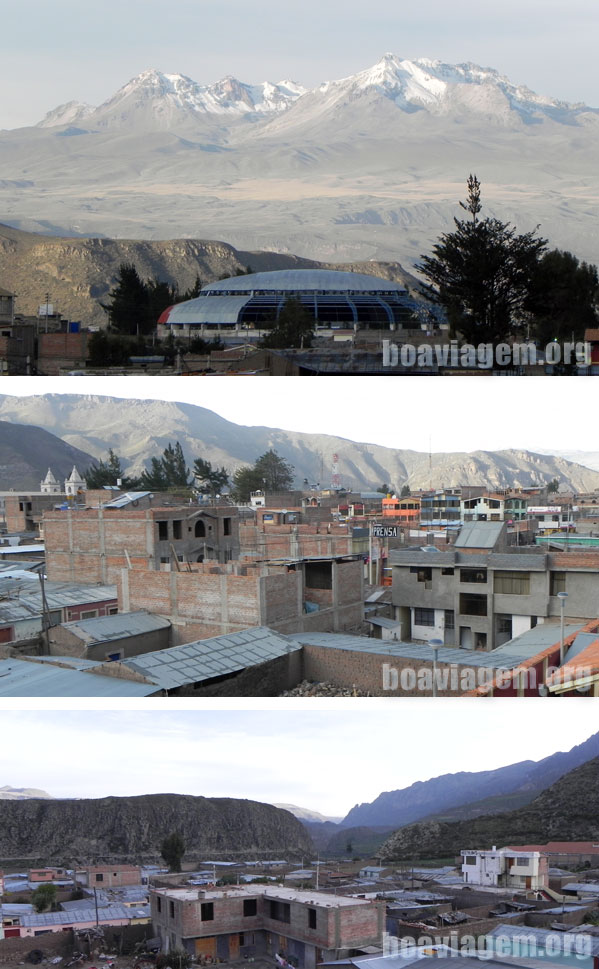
x=305 y=280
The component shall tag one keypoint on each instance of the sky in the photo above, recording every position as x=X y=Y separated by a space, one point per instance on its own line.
x=84 y=50
x=323 y=759
x=450 y=414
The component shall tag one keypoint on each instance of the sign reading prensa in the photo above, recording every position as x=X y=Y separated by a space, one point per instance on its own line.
x=384 y=531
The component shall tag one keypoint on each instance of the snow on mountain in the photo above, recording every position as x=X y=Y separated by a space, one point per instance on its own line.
x=164 y=98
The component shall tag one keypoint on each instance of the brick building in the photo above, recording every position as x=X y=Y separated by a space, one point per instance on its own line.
x=306 y=927
x=94 y=544
x=24 y=512
x=210 y=600
x=109 y=876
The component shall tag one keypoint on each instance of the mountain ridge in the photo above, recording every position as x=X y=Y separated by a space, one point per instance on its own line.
x=140 y=429
x=451 y=791
x=568 y=810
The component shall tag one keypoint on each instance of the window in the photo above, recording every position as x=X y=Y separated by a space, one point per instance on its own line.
x=504 y=624
x=470 y=860
x=473 y=575
x=226 y=526
x=424 y=574
x=512 y=583
x=446 y=571
x=424 y=617
x=113 y=610
x=171 y=909
x=319 y=575
x=158 y=904
x=89 y=614
x=250 y=907
x=311 y=918
x=200 y=529
x=279 y=911
x=176 y=529
x=99 y=878
x=449 y=619
x=557 y=583
x=162 y=531
x=207 y=913
x=471 y=605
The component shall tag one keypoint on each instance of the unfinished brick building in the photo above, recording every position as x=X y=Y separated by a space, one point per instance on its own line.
x=94 y=544
x=324 y=594
x=305 y=927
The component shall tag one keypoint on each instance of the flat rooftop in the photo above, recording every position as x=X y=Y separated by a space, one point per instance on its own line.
x=250 y=891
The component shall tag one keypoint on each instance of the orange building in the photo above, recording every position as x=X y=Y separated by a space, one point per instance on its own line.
x=404 y=510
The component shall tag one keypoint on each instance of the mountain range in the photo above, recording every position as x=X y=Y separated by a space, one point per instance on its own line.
x=140 y=429
x=568 y=810
x=465 y=790
x=370 y=166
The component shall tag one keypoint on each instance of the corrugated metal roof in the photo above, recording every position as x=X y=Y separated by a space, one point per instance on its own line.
x=524 y=934
x=592 y=887
x=79 y=915
x=582 y=641
x=127 y=499
x=20 y=549
x=537 y=639
x=23 y=678
x=417 y=651
x=384 y=622
x=479 y=535
x=207 y=658
x=27 y=602
x=106 y=628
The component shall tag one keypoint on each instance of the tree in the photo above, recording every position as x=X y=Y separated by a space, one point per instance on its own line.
x=553 y=486
x=405 y=491
x=128 y=310
x=168 y=471
x=107 y=473
x=270 y=472
x=172 y=850
x=173 y=959
x=563 y=297
x=294 y=327
x=209 y=479
x=385 y=489
x=44 y=897
x=481 y=274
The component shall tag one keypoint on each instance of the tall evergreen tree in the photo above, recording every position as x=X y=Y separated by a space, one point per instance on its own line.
x=294 y=327
x=209 y=479
x=270 y=472
x=128 y=310
x=481 y=274
x=168 y=471
x=563 y=297
x=108 y=473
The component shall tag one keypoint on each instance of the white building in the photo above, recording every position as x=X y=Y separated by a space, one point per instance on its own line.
x=74 y=485
x=50 y=486
x=505 y=868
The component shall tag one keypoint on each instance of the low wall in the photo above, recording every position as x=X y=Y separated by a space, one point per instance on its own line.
x=13 y=951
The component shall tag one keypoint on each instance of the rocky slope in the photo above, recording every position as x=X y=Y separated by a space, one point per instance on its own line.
x=566 y=811
x=26 y=453
x=79 y=272
x=452 y=791
x=133 y=828
x=140 y=429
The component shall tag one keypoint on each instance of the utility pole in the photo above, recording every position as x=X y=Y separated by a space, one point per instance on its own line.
x=45 y=619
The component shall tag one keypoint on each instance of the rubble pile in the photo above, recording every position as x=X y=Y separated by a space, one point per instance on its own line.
x=306 y=688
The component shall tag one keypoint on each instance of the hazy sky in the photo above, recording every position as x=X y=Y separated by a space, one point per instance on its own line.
x=325 y=759
x=456 y=414
x=60 y=50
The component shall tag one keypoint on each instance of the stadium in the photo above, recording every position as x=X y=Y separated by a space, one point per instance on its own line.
x=336 y=300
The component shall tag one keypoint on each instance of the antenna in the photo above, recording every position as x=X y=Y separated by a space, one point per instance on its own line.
x=335 y=476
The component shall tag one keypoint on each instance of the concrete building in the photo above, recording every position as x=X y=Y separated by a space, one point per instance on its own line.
x=289 y=595
x=566 y=853
x=304 y=927
x=94 y=544
x=507 y=868
x=496 y=507
x=481 y=593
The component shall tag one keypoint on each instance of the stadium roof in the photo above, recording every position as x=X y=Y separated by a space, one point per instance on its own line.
x=305 y=280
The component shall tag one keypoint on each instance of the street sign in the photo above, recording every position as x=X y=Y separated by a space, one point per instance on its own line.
x=384 y=531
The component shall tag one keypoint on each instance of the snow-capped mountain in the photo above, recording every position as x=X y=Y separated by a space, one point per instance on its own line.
x=371 y=166
x=164 y=100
